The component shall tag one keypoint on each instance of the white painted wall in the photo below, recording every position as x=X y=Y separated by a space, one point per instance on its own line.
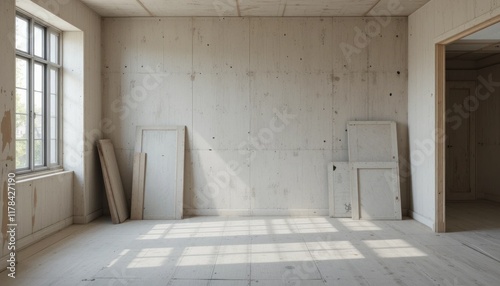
x=436 y=21
x=227 y=79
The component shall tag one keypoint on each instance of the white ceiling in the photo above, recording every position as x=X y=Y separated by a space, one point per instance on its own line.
x=250 y=8
x=477 y=46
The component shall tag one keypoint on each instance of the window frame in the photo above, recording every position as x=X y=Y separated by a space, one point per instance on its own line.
x=48 y=66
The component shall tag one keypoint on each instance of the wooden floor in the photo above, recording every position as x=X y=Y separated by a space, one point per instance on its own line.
x=269 y=251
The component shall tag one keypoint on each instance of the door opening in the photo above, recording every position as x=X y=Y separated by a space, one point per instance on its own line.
x=468 y=117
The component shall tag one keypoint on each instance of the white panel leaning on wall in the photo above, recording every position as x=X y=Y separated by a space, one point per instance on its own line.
x=158 y=191
x=372 y=191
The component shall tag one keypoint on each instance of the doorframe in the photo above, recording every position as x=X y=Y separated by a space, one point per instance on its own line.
x=440 y=120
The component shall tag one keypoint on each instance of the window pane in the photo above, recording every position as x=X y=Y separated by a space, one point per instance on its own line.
x=53 y=81
x=38 y=127
x=22 y=154
x=54 y=48
x=53 y=105
x=22 y=126
x=38 y=152
x=22 y=73
x=53 y=152
x=21 y=101
x=53 y=128
x=39 y=42
x=22 y=42
x=38 y=76
x=38 y=103
x=53 y=113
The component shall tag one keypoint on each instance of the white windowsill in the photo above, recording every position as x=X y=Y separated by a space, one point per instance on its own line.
x=38 y=175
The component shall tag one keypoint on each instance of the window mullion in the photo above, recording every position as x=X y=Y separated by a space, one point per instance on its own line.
x=31 y=142
x=46 y=101
x=46 y=138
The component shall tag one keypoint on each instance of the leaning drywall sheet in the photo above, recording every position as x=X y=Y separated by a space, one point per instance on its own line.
x=113 y=182
x=374 y=170
x=339 y=189
x=164 y=183
x=138 y=184
x=375 y=191
x=372 y=141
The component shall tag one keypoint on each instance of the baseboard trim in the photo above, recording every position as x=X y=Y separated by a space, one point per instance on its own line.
x=79 y=219
x=421 y=219
x=255 y=212
x=93 y=216
x=492 y=197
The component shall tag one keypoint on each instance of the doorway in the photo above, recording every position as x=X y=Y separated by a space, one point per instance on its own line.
x=468 y=114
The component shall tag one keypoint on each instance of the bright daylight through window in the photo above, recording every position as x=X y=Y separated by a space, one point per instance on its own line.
x=37 y=95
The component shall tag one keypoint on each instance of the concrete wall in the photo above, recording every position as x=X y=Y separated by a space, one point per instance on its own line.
x=438 y=20
x=48 y=203
x=265 y=101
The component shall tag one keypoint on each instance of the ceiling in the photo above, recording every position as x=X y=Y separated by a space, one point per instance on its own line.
x=250 y=8
x=477 y=46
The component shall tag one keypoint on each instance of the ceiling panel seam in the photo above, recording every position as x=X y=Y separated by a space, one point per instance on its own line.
x=145 y=8
x=371 y=9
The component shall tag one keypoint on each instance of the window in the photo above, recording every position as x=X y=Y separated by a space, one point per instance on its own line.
x=37 y=95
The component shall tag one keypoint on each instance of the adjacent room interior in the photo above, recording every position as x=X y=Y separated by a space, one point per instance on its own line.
x=472 y=68
x=250 y=142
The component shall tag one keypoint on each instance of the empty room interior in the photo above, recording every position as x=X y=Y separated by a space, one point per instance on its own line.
x=250 y=142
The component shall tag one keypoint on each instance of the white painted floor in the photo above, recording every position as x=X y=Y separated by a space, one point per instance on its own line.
x=263 y=251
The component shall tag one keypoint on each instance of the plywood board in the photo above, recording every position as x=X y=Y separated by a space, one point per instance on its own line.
x=339 y=189
x=164 y=183
x=372 y=141
x=138 y=185
x=375 y=191
x=112 y=181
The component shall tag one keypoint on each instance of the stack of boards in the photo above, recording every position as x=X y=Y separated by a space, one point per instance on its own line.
x=367 y=187
x=158 y=175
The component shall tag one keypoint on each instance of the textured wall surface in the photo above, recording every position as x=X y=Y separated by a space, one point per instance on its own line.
x=265 y=101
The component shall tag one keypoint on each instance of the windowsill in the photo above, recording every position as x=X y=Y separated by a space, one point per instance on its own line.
x=38 y=175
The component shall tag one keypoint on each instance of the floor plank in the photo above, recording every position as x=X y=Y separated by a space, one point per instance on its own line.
x=270 y=251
